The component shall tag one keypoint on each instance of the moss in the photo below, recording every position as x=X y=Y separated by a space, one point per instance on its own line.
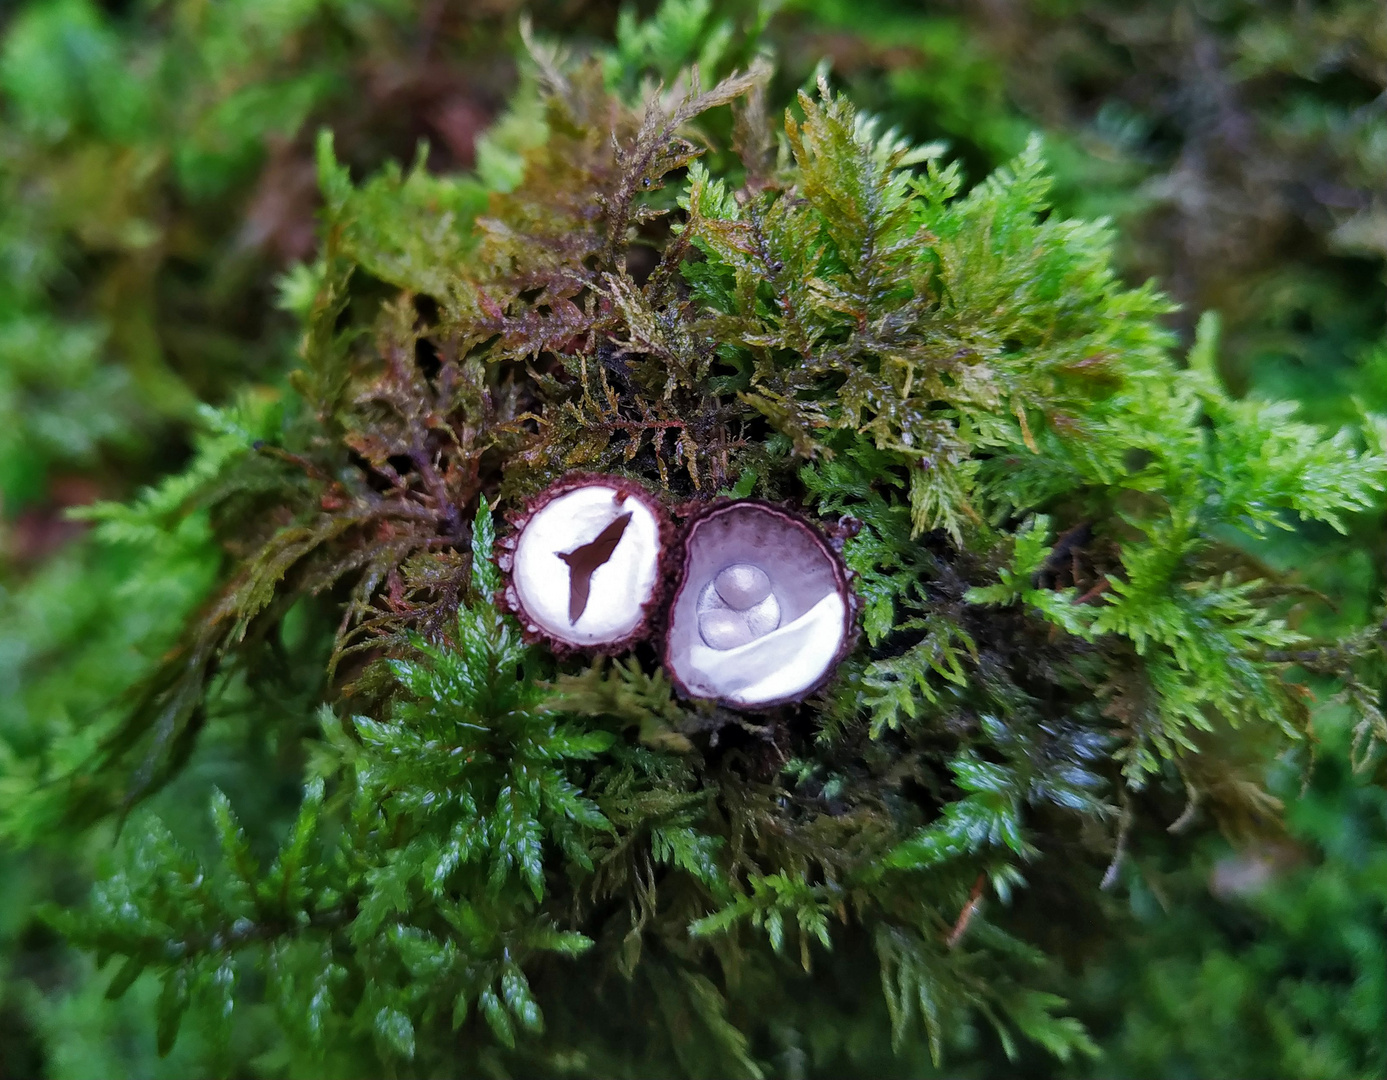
x=508 y=861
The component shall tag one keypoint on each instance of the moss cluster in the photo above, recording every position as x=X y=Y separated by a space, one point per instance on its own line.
x=506 y=862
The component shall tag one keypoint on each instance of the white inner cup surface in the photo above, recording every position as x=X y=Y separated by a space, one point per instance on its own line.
x=619 y=587
x=783 y=663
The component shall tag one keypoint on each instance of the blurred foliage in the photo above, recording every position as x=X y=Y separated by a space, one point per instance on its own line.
x=1241 y=146
x=1275 y=964
x=157 y=171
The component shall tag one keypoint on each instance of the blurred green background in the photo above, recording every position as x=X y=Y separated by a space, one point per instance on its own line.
x=157 y=184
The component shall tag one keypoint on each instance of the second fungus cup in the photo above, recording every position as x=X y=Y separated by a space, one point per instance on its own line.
x=763 y=612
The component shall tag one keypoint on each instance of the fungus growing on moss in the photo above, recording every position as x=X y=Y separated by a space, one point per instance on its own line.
x=763 y=611
x=583 y=563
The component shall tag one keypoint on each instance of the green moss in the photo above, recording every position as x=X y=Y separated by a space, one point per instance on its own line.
x=433 y=849
x=1055 y=619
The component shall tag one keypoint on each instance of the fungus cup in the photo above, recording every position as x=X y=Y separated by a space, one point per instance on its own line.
x=583 y=564
x=763 y=612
